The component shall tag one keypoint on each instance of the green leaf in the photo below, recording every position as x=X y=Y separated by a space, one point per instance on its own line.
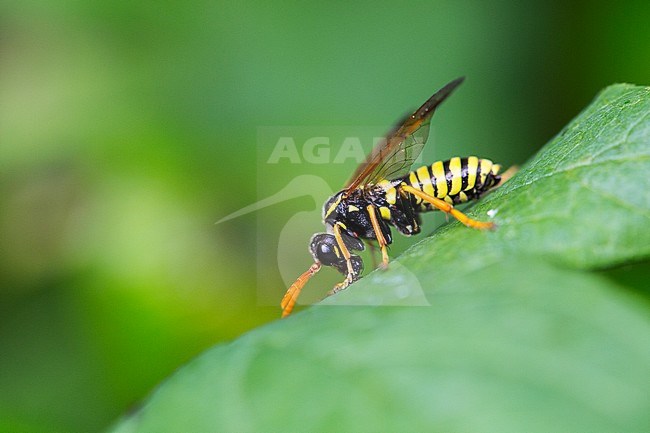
x=519 y=332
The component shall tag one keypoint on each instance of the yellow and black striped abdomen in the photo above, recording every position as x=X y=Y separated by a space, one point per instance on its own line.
x=456 y=180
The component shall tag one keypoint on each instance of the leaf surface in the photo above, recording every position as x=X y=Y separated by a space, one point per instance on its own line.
x=515 y=330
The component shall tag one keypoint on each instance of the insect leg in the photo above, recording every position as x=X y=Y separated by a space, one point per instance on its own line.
x=344 y=249
x=379 y=234
x=351 y=276
x=290 y=298
x=448 y=209
x=508 y=174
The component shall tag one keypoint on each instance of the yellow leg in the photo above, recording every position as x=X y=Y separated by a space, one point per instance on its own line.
x=346 y=254
x=343 y=248
x=449 y=209
x=340 y=286
x=379 y=235
x=506 y=175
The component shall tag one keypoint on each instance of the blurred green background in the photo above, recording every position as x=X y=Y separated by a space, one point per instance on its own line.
x=128 y=128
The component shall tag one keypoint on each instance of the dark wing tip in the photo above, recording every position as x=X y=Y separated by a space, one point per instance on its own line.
x=374 y=168
x=427 y=109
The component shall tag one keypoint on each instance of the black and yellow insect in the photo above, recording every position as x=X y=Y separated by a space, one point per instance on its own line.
x=383 y=193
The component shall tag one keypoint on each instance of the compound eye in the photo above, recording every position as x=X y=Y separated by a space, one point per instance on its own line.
x=327 y=253
x=325 y=249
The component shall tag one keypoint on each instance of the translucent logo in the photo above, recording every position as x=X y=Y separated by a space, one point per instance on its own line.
x=292 y=165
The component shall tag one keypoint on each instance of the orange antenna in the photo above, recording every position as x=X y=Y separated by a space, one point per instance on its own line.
x=290 y=298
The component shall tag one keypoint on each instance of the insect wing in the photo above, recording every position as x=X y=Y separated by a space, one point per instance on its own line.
x=393 y=156
x=400 y=162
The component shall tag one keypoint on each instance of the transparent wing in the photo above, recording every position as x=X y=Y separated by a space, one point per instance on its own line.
x=400 y=161
x=393 y=156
